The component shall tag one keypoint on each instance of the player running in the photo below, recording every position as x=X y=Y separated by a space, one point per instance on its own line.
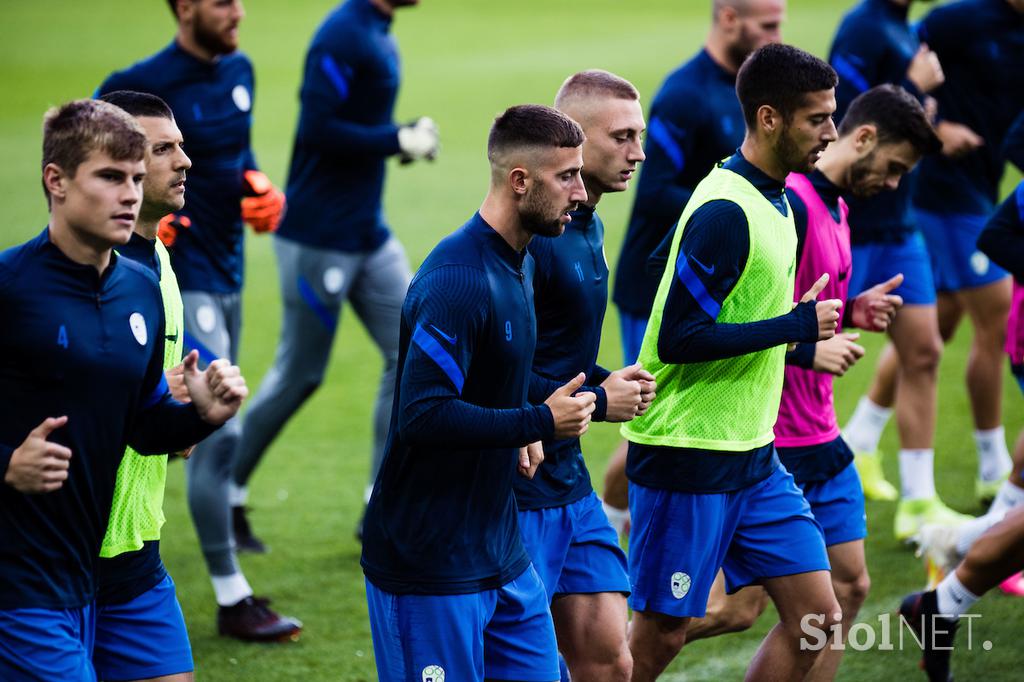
x=567 y=535
x=81 y=362
x=451 y=589
x=684 y=143
x=707 y=490
x=208 y=84
x=334 y=244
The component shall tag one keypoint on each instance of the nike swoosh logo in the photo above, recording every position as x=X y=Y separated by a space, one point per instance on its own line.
x=706 y=269
x=446 y=337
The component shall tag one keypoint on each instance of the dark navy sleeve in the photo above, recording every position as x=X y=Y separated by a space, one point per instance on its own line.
x=1013 y=144
x=712 y=256
x=446 y=312
x=542 y=387
x=856 y=62
x=801 y=356
x=334 y=67
x=1002 y=240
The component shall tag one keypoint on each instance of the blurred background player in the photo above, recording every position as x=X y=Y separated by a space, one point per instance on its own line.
x=706 y=485
x=981 y=46
x=567 y=535
x=81 y=383
x=461 y=429
x=873 y=45
x=136 y=601
x=883 y=134
x=333 y=243
x=695 y=122
x=208 y=84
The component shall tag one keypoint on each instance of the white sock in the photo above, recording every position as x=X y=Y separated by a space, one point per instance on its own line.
x=917 y=474
x=974 y=529
x=1008 y=497
x=993 y=457
x=953 y=597
x=617 y=517
x=230 y=589
x=238 y=495
x=865 y=427
x=366 y=493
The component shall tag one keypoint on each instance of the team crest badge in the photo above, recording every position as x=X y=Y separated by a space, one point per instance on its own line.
x=680 y=584
x=138 y=325
x=241 y=97
x=433 y=673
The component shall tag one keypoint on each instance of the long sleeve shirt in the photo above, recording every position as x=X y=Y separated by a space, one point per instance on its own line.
x=88 y=346
x=345 y=132
x=442 y=518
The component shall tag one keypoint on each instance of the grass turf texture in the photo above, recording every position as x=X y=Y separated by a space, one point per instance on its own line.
x=464 y=61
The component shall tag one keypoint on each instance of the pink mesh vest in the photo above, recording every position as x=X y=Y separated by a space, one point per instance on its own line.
x=807 y=415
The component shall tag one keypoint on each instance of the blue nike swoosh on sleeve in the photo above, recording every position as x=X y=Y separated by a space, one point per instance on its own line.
x=450 y=338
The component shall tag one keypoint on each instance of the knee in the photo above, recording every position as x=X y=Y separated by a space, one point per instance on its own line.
x=923 y=357
x=741 y=618
x=852 y=593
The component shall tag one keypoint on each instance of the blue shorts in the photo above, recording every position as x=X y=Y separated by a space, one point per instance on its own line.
x=952 y=241
x=678 y=541
x=143 y=638
x=632 y=329
x=838 y=506
x=574 y=548
x=875 y=263
x=47 y=644
x=503 y=634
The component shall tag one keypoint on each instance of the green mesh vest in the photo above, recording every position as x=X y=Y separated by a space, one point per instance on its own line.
x=137 y=514
x=731 y=404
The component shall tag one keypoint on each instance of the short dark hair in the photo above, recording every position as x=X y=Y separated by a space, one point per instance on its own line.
x=73 y=130
x=532 y=125
x=896 y=114
x=780 y=76
x=594 y=82
x=139 y=103
x=174 y=7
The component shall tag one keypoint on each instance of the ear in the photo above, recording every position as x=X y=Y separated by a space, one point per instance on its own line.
x=184 y=9
x=865 y=138
x=769 y=119
x=519 y=180
x=727 y=17
x=55 y=181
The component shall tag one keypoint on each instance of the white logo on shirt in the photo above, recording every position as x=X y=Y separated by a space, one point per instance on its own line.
x=242 y=99
x=138 y=325
x=680 y=584
x=433 y=673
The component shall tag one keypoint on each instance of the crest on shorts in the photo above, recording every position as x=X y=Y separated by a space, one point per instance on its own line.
x=433 y=673
x=680 y=584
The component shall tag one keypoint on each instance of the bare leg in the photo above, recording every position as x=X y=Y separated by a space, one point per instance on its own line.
x=780 y=657
x=728 y=612
x=591 y=630
x=915 y=336
x=988 y=307
x=616 y=487
x=654 y=640
x=851 y=583
x=882 y=391
x=996 y=555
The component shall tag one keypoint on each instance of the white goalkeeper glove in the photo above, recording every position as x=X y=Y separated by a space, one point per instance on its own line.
x=420 y=140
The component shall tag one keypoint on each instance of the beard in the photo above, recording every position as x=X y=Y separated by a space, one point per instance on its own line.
x=211 y=40
x=539 y=217
x=790 y=155
x=858 y=171
x=739 y=51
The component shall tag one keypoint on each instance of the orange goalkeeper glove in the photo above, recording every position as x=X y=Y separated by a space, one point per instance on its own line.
x=167 y=228
x=263 y=204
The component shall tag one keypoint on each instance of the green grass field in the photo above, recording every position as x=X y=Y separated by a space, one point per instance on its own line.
x=464 y=61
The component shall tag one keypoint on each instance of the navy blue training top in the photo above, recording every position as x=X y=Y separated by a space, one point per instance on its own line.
x=981 y=46
x=873 y=45
x=88 y=346
x=684 y=141
x=712 y=256
x=570 y=288
x=1002 y=240
x=212 y=104
x=344 y=133
x=442 y=518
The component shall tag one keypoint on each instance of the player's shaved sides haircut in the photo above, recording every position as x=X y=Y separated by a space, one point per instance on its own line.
x=741 y=7
x=896 y=114
x=780 y=76
x=139 y=103
x=593 y=83
x=530 y=126
x=73 y=130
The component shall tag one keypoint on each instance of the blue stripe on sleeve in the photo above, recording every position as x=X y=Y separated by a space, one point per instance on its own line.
x=847 y=70
x=429 y=345
x=695 y=286
x=334 y=74
x=329 y=319
x=660 y=134
x=205 y=354
x=158 y=393
x=1020 y=201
